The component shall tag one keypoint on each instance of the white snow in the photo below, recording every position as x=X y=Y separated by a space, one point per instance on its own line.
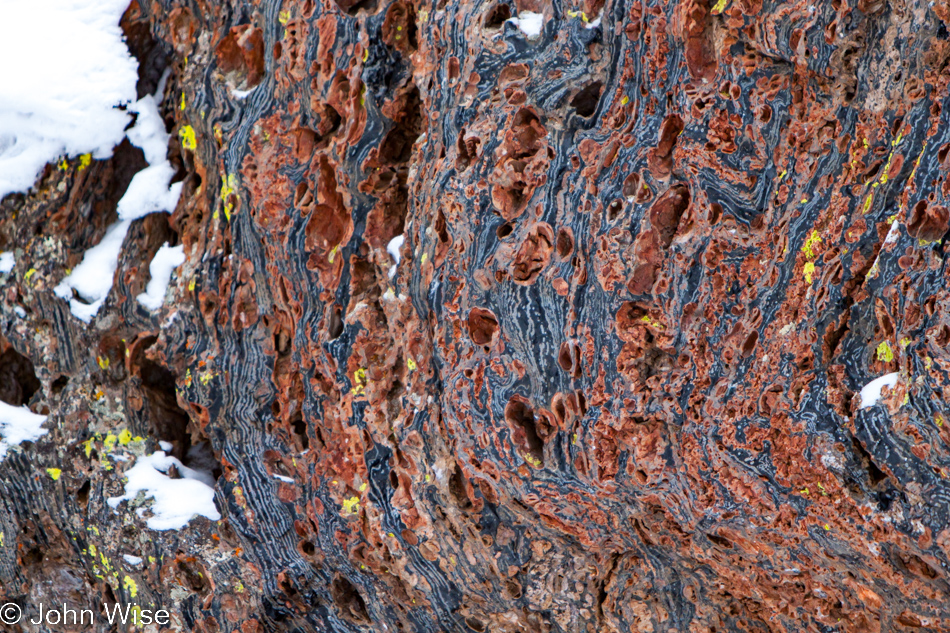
x=92 y=278
x=149 y=190
x=871 y=392
x=6 y=263
x=166 y=446
x=66 y=69
x=166 y=260
x=175 y=501
x=393 y=248
x=893 y=233
x=132 y=560
x=18 y=424
x=529 y=22
x=287 y=480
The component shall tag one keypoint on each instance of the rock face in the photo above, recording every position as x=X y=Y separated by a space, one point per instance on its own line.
x=607 y=381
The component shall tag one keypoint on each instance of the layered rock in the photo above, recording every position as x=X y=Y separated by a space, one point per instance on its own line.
x=650 y=256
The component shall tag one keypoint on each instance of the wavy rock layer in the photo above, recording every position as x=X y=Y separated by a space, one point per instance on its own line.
x=650 y=257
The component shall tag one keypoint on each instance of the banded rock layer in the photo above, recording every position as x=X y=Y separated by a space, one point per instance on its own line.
x=649 y=258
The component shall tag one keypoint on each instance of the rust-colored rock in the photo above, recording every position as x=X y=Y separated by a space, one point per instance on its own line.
x=608 y=380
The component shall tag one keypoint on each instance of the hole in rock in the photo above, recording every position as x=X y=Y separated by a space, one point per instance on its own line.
x=348 y=600
x=497 y=15
x=300 y=431
x=167 y=420
x=335 y=327
x=82 y=495
x=457 y=488
x=483 y=325
x=585 y=101
x=18 y=380
x=564 y=244
x=520 y=418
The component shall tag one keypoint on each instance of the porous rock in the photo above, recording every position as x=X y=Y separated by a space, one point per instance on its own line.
x=650 y=257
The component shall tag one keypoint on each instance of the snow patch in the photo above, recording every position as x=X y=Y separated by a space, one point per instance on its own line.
x=286 y=480
x=593 y=24
x=871 y=392
x=893 y=233
x=18 y=424
x=530 y=23
x=393 y=248
x=6 y=263
x=132 y=560
x=67 y=68
x=175 y=501
x=166 y=260
x=92 y=278
x=150 y=190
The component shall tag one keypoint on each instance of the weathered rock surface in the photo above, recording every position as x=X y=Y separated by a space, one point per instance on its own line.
x=650 y=258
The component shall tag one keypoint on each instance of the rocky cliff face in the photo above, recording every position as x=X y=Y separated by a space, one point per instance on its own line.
x=607 y=380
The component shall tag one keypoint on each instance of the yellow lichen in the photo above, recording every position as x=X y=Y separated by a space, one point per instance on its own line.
x=719 y=7
x=84 y=161
x=29 y=274
x=182 y=105
x=411 y=364
x=283 y=17
x=809 y=248
x=102 y=362
x=624 y=100
x=228 y=189
x=54 y=473
x=578 y=14
x=884 y=352
x=809 y=272
x=188 y=140
x=359 y=381
x=351 y=505
x=125 y=437
x=130 y=586
x=534 y=461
